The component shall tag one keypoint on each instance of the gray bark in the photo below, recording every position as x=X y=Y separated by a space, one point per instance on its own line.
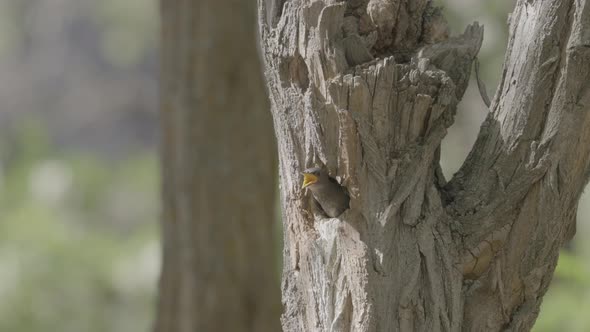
x=368 y=88
x=218 y=170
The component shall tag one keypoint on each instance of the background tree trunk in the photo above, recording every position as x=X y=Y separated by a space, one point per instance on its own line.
x=368 y=88
x=218 y=173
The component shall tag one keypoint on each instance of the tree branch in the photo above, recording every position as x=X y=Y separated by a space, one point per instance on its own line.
x=533 y=120
x=513 y=197
x=367 y=88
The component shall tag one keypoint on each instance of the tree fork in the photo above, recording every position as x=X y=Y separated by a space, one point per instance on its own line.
x=368 y=89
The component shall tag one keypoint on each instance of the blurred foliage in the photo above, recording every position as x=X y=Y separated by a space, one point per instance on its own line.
x=129 y=29
x=78 y=244
x=79 y=198
x=567 y=303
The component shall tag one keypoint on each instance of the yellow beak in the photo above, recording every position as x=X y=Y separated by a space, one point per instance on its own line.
x=308 y=179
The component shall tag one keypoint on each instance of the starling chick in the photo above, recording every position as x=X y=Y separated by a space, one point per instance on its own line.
x=326 y=191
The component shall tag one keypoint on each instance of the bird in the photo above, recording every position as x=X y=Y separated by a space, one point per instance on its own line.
x=327 y=192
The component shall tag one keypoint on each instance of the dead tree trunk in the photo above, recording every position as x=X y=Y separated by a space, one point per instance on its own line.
x=219 y=175
x=368 y=88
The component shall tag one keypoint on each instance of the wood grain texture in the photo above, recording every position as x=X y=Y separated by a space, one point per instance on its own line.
x=368 y=88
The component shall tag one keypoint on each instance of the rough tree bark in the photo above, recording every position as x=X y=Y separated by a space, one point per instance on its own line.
x=219 y=175
x=368 y=88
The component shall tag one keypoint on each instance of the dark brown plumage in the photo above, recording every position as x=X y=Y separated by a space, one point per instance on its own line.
x=331 y=197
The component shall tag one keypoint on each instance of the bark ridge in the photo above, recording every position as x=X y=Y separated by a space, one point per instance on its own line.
x=368 y=89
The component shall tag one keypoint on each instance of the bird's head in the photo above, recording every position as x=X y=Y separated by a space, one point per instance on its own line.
x=312 y=176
